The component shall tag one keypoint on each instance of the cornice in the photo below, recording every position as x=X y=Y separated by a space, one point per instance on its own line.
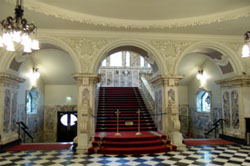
x=73 y=16
x=10 y=80
x=166 y=79
x=86 y=79
x=142 y=35
x=242 y=81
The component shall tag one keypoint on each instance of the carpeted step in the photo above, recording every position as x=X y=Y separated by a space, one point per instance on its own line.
x=126 y=129
x=142 y=150
x=130 y=144
x=127 y=100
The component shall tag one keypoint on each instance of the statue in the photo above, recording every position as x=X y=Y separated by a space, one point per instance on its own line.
x=85 y=97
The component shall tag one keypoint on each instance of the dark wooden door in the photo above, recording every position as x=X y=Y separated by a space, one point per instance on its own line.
x=66 y=126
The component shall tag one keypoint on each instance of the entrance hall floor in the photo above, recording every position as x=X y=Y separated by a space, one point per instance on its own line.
x=228 y=155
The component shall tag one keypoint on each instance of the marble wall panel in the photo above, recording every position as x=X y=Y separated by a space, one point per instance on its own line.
x=158 y=108
x=50 y=120
x=226 y=109
x=235 y=109
x=13 y=112
x=7 y=105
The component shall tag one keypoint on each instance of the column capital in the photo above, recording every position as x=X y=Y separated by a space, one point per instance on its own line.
x=236 y=81
x=86 y=79
x=10 y=79
x=168 y=80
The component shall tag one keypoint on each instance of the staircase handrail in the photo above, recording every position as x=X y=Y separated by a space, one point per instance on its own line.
x=21 y=125
x=215 y=125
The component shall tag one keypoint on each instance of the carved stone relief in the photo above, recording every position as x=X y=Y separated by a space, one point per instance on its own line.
x=86 y=49
x=171 y=96
x=170 y=50
x=85 y=97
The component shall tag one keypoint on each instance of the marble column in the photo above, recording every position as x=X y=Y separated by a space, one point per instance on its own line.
x=85 y=109
x=170 y=125
x=235 y=99
x=9 y=85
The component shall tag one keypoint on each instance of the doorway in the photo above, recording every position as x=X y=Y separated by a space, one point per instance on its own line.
x=66 y=126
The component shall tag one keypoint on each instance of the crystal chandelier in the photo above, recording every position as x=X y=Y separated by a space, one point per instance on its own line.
x=17 y=30
x=246 y=47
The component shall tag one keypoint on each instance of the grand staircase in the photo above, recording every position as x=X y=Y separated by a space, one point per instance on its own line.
x=128 y=101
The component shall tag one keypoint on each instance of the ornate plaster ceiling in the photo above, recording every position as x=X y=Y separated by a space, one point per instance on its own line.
x=141 y=14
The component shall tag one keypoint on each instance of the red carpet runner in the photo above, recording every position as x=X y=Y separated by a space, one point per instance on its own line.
x=128 y=100
x=208 y=142
x=55 y=146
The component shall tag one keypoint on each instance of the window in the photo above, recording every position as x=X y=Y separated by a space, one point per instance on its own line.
x=127 y=59
x=32 y=98
x=68 y=119
x=104 y=62
x=203 y=101
x=142 y=61
x=116 y=59
x=29 y=104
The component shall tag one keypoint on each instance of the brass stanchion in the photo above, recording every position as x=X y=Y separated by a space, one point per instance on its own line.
x=139 y=124
x=117 y=132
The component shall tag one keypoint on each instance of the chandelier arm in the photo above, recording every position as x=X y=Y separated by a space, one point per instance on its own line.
x=17 y=30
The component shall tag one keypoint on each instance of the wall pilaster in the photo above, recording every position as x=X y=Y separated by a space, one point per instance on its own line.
x=235 y=96
x=9 y=85
x=168 y=86
x=85 y=109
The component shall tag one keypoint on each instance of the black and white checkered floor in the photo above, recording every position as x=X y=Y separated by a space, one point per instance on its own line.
x=196 y=155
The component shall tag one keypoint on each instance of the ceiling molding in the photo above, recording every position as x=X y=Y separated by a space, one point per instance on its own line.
x=57 y=12
x=142 y=35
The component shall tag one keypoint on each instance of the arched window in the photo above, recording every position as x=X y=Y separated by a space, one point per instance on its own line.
x=203 y=101
x=29 y=103
x=32 y=101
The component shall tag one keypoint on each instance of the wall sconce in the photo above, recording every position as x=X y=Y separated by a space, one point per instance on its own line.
x=246 y=47
x=34 y=75
x=200 y=74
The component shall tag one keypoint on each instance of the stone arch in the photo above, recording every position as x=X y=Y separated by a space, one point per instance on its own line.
x=9 y=56
x=233 y=59
x=132 y=45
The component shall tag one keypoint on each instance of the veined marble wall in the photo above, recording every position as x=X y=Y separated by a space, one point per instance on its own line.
x=50 y=120
x=158 y=109
x=201 y=122
x=10 y=111
x=230 y=107
x=9 y=115
x=120 y=77
x=184 y=118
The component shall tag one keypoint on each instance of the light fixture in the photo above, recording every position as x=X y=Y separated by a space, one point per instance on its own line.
x=36 y=73
x=17 y=30
x=199 y=74
x=246 y=47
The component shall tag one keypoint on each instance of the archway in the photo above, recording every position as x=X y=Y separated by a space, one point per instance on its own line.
x=57 y=89
x=214 y=63
x=146 y=50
